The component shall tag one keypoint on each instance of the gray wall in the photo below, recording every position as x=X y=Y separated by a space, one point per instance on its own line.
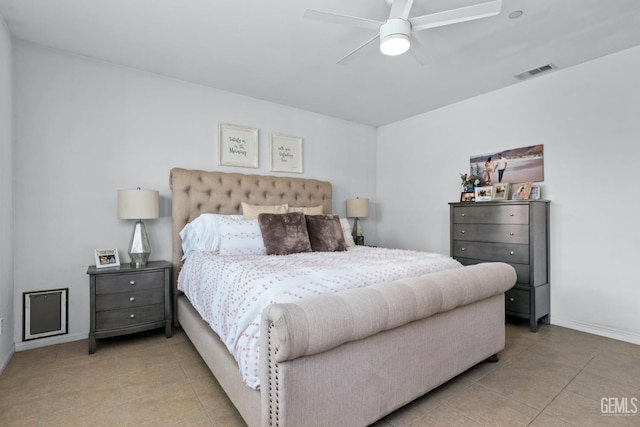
x=587 y=119
x=6 y=197
x=85 y=128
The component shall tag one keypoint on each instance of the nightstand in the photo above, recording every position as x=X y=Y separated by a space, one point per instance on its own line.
x=126 y=299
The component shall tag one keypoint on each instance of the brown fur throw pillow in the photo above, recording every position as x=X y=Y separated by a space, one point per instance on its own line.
x=325 y=233
x=284 y=234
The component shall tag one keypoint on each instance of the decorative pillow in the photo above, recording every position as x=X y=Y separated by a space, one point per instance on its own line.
x=252 y=211
x=284 y=234
x=239 y=236
x=346 y=232
x=202 y=234
x=313 y=210
x=325 y=233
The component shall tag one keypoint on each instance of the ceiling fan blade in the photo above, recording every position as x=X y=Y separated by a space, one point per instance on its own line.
x=416 y=50
x=454 y=16
x=400 y=9
x=349 y=56
x=337 y=18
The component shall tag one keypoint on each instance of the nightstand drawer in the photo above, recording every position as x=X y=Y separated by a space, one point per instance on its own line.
x=517 y=301
x=503 y=252
x=129 y=299
x=502 y=233
x=113 y=283
x=129 y=317
x=507 y=214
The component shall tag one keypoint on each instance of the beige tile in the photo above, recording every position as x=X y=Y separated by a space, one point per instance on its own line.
x=24 y=412
x=131 y=361
x=623 y=368
x=444 y=416
x=164 y=408
x=78 y=377
x=593 y=386
x=151 y=381
x=490 y=408
x=71 y=418
x=580 y=411
x=530 y=379
x=90 y=398
x=216 y=403
x=547 y=421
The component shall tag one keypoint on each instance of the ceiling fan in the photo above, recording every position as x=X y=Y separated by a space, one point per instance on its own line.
x=395 y=33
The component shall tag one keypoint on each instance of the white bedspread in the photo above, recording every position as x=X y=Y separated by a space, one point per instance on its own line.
x=230 y=292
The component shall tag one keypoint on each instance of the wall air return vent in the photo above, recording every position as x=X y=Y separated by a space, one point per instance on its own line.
x=535 y=71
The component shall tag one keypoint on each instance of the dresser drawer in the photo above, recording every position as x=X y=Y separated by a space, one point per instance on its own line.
x=129 y=317
x=129 y=299
x=501 y=233
x=507 y=214
x=504 y=252
x=112 y=283
x=522 y=270
x=517 y=301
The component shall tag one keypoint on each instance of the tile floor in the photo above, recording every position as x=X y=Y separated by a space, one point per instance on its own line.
x=556 y=377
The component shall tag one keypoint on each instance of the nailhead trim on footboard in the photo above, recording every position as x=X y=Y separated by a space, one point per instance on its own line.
x=274 y=403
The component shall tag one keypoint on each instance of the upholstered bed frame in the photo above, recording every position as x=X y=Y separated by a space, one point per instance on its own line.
x=344 y=359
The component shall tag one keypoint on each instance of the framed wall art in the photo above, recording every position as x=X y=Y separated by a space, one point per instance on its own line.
x=237 y=146
x=286 y=153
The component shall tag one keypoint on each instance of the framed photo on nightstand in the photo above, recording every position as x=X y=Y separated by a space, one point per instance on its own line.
x=107 y=258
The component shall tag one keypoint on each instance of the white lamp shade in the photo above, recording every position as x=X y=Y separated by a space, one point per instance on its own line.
x=357 y=208
x=138 y=204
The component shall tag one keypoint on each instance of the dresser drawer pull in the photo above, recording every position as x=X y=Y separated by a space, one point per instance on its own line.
x=512 y=299
x=132 y=316
x=463 y=231
x=463 y=249
x=512 y=214
x=132 y=299
x=512 y=253
x=512 y=234
x=463 y=215
x=133 y=282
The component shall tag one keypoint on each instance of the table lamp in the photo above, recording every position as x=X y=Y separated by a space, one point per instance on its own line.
x=357 y=208
x=138 y=204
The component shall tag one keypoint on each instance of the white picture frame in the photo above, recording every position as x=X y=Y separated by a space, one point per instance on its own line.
x=535 y=193
x=484 y=194
x=237 y=146
x=501 y=191
x=106 y=258
x=286 y=153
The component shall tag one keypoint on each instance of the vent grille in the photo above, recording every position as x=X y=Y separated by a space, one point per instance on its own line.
x=535 y=71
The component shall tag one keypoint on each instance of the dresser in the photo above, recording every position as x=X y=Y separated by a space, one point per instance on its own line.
x=125 y=300
x=515 y=232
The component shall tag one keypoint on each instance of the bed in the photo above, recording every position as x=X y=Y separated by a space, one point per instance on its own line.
x=346 y=358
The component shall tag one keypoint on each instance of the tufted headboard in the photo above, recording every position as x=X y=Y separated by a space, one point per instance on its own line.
x=197 y=191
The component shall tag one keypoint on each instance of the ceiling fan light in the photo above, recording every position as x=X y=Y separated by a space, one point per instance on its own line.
x=394 y=37
x=396 y=44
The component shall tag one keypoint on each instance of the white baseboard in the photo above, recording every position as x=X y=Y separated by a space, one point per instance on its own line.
x=43 y=342
x=597 y=330
x=7 y=357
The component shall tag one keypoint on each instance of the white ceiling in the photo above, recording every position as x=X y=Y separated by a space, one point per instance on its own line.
x=266 y=49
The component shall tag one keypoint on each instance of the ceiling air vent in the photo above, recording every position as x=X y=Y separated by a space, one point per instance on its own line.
x=535 y=71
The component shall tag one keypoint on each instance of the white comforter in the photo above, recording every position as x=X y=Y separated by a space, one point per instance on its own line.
x=230 y=292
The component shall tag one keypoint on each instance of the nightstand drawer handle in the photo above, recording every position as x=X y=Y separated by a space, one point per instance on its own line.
x=132 y=316
x=133 y=282
x=512 y=214
x=463 y=249
x=512 y=234
x=463 y=232
x=132 y=299
x=512 y=299
x=464 y=215
x=512 y=253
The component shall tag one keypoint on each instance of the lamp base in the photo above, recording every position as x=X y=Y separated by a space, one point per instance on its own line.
x=358 y=238
x=139 y=248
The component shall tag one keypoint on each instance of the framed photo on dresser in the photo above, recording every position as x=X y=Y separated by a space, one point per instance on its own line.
x=484 y=194
x=501 y=191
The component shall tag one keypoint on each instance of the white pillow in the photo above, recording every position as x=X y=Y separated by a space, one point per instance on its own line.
x=202 y=234
x=346 y=230
x=252 y=211
x=239 y=236
x=312 y=210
